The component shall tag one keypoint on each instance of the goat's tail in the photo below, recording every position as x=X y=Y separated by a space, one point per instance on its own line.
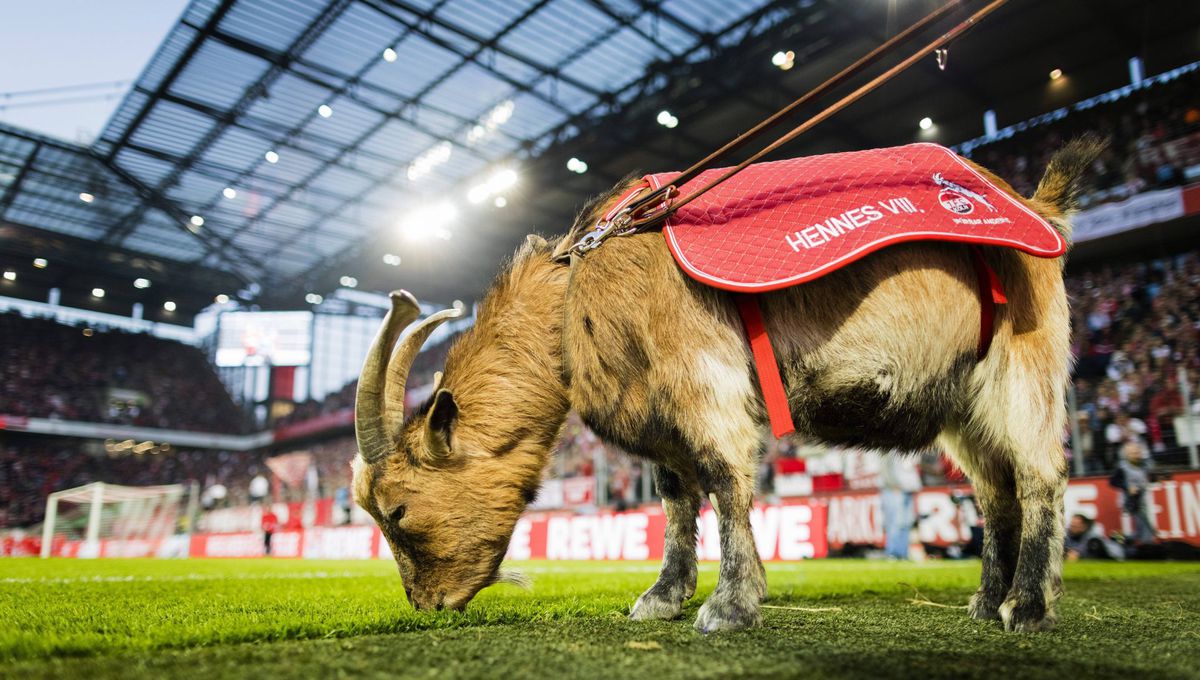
x=1059 y=188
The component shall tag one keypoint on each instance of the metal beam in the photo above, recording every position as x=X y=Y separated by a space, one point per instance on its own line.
x=11 y=193
x=493 y=44
x=248 y=97
x=168 y=80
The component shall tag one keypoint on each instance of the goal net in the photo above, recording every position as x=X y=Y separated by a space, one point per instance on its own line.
x=108 y=519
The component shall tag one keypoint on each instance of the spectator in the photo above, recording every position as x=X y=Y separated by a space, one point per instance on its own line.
x=900 y=480
x=1084 y=540
x=270 y=524
x=1133 y=477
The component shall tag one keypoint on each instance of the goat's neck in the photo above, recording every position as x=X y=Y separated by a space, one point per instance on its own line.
x=506 y=373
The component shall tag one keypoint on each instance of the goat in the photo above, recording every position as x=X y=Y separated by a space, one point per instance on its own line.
x=881 y=353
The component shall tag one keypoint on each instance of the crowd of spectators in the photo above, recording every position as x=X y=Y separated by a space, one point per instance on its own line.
x=1154 y=138
x=31 y=467
x=51 y=370
x=1135 y=326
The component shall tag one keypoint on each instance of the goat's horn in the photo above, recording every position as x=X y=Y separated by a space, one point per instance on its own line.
x=402 y=361
x=374 y=438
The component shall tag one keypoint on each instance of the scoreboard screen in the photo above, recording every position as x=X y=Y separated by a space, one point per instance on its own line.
x=264 y=338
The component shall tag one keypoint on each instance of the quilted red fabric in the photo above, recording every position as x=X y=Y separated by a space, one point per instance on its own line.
x=782 y=223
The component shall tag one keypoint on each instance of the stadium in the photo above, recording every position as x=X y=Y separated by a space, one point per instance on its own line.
x=755 y=338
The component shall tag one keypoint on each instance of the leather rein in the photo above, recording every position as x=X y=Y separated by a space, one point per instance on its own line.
x=654 y=208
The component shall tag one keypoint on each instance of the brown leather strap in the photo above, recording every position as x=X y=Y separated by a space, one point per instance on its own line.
x=649 y=209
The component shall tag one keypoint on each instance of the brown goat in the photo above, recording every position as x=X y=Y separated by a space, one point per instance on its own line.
x=880 y=354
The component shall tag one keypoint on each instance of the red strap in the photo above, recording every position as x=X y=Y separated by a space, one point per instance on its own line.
x=766 y=366
x=991 y=293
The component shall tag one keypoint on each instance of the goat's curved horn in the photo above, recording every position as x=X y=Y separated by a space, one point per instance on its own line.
x=374 y=437
x=402 y=362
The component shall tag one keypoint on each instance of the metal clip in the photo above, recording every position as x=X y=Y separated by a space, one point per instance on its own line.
x=602 y=231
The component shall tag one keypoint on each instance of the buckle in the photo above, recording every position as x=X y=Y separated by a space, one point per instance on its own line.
x=621 y=224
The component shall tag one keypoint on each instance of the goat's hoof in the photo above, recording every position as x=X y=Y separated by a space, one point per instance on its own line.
x=981 y=607
x=723 y=612
x=1027 y=616
x=655 y=605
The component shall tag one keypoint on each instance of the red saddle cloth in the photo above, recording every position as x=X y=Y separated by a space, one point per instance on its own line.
x=786 y=222
x=783 y=223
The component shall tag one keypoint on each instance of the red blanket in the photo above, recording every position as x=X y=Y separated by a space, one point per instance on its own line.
x=782 y=223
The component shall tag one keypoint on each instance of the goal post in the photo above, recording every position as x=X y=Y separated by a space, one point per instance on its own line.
x=98 y=512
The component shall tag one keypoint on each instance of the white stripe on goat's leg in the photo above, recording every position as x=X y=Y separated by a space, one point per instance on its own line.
x=677 y=579
x=741 y=585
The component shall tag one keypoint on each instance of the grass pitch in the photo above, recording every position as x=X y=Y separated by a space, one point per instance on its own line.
x=289 y=619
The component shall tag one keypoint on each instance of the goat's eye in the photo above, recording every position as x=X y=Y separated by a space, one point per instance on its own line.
x=397 y=514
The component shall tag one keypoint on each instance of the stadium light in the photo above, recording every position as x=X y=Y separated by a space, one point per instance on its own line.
x=925 y=123
x=501 y=113
x=324 y=110
x=229 y=192
x=499 y=181
x=500 y=202
x=313 y=299
x=577 y=166
x=428 y=221
x=667 y=119
x=392 y=260
x=425 y=163
x=478 y=193
x=141 y=283
x=221 y=299
x=784 y=60
x=389 y=55
x=40 y=263
x=271 y=157
x=97 y=293
x=1056 y=74
x=86 y=197
x=197 y=221
x=169 y=305
x=348 y=281
x=10 y=275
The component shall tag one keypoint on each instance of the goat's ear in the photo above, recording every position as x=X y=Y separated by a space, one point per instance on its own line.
x=438 y=426
x=536 y=243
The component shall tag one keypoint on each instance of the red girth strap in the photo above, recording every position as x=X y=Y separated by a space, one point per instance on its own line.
x=991 y=293
x=766 y=365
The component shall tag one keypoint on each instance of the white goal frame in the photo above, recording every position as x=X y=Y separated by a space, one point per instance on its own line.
x=96 y=495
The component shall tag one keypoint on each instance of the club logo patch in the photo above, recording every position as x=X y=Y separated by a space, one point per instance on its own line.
x=955 y=202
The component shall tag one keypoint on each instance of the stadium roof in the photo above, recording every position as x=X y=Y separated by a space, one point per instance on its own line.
x=273 y=146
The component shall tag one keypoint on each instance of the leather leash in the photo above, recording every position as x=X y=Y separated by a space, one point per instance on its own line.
x=657 y=206
x=633 y=213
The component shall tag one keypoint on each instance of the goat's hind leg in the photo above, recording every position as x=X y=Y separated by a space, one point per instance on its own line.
x=1037 y=583
x=991 y=477
x=677 y=578
x=1016 y=460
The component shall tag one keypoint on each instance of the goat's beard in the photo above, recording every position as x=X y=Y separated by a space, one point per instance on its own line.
x=512 y=577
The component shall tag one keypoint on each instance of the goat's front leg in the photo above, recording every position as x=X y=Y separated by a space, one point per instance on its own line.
x=742 y=584
x=677 y=578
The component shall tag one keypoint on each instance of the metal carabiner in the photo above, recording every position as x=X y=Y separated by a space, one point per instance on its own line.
x=602 y=231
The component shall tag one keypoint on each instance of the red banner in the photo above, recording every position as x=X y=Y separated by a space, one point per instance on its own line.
x=791 y=530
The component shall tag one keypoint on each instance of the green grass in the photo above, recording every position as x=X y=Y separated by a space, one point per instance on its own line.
x=289 y=619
